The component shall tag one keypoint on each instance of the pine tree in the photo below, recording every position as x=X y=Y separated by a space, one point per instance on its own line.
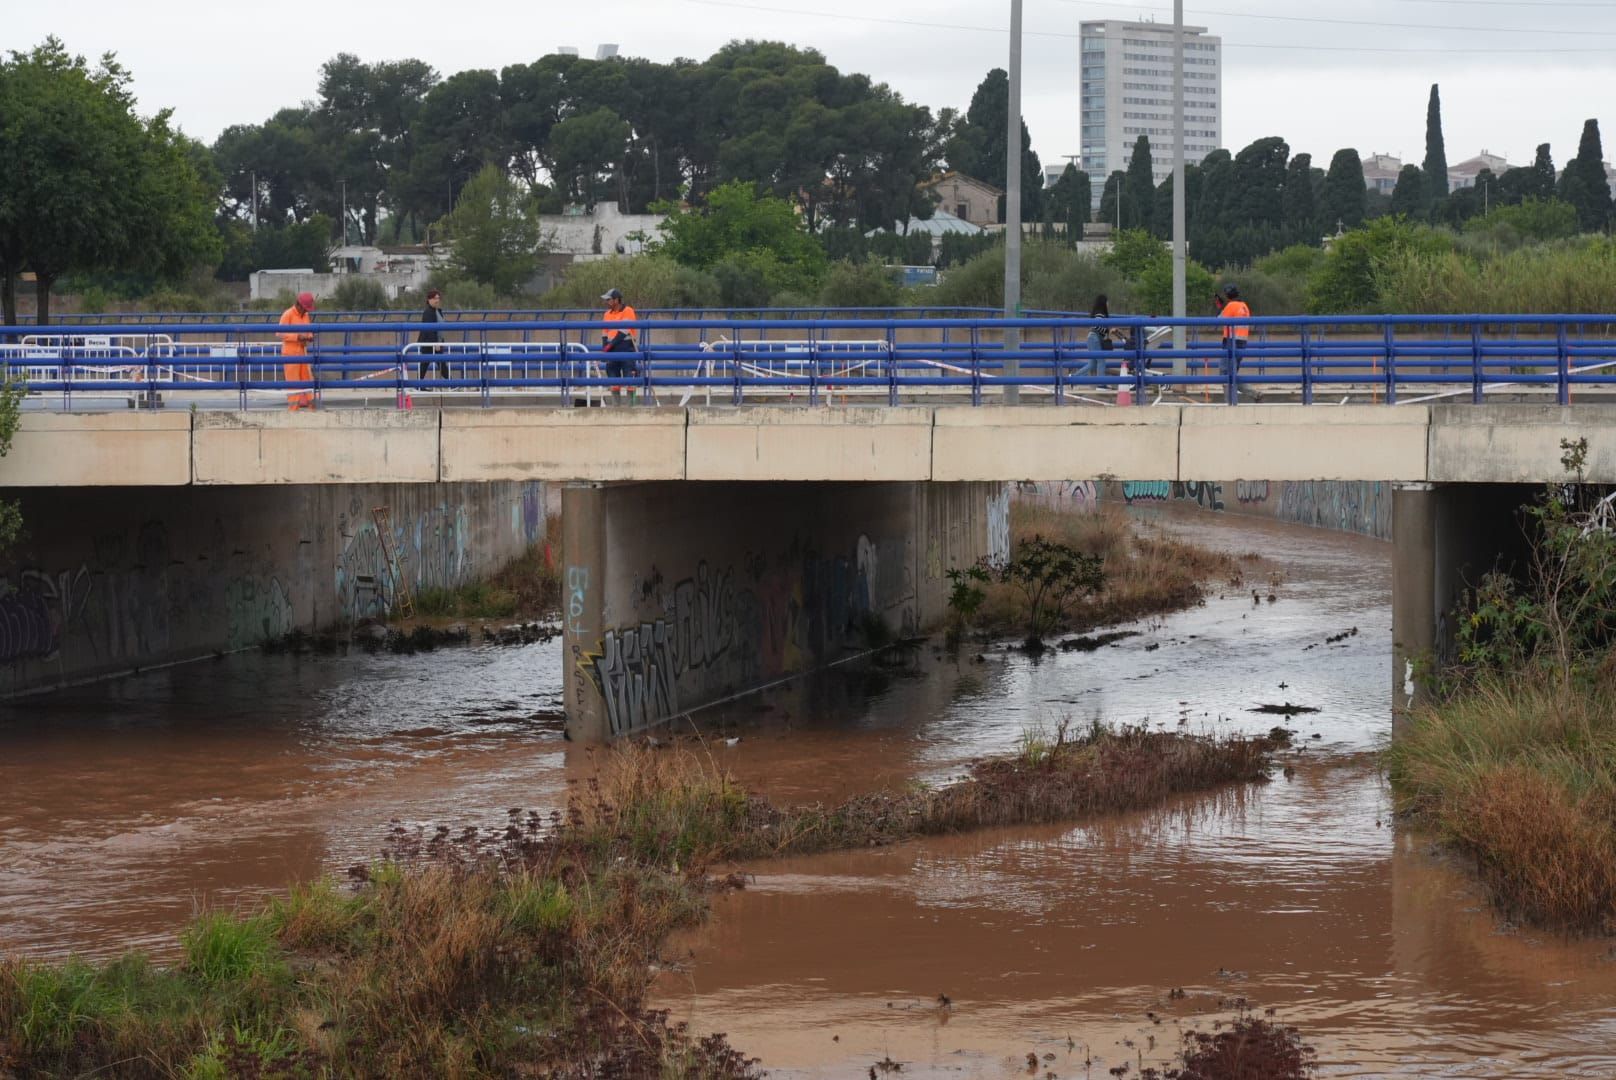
x=1345 y=197
x=1139 y=195
x=1408 y=197
x=1435 y=166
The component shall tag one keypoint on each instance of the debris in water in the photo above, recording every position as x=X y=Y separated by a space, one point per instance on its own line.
x=1095 y=641
x=1286 y=709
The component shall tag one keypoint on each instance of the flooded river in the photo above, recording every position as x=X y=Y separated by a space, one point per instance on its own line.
x=128 y=805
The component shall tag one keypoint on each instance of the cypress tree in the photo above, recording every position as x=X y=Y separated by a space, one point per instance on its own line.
x=1435 y=166
x=1301 y=216
x=1345 y=197
x=1108 y=198
x=1584 y=184
x=1139 y=194
x=1542 y=186
x=1408 y=197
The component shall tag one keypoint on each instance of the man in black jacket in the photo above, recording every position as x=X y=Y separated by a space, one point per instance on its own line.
x=428 y=339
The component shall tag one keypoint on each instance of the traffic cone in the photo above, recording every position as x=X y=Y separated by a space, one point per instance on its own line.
x=1125 y=392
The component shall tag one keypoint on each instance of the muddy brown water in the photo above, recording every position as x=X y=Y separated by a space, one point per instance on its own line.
x=124 y=807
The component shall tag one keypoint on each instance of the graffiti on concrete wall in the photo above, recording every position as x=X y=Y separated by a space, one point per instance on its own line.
x=431 y=551
x=636 y=676
x=1251 y=491
x=1358 y=506
x=1146 y=491
x=729 y=627
x=257 y=609
x=703 y=618
x=38 y=609
x=999 y=525
x=1060 y=494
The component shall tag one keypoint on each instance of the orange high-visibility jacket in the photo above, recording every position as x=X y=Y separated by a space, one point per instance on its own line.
x=1236 y=309
x=616 y=316
x=292 y=344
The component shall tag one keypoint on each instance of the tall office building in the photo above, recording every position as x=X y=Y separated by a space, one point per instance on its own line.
x=1126 y=83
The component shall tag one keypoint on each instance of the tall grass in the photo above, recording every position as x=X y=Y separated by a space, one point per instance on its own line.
x=1575 y=276
x=1519 y=772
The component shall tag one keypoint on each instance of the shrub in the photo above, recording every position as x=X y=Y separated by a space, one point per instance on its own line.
x=648 y=281
x=1347 y=282
x=860 y=285
x=356 y=292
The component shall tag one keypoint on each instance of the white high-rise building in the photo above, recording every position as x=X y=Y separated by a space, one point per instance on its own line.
x=1126 y=90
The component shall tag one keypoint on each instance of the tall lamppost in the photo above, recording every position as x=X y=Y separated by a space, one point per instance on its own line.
x=1180 y=305
x=1012 y=210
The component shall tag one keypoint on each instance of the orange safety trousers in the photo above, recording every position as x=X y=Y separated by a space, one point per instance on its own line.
x=299 y=399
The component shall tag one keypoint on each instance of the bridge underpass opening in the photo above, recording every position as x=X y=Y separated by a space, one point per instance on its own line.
x=677 y=595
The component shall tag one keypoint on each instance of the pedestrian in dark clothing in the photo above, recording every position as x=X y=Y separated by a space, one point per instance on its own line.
x=1098 y=338
x=428 y=339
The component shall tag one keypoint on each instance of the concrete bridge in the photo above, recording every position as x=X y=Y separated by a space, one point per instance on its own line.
x=1435 y=444
x=707 y=551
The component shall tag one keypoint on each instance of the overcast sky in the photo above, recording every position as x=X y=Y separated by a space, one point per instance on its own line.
x=1513 y=74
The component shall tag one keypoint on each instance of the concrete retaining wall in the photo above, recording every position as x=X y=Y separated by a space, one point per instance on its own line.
x=677 y=595
x=112 y=579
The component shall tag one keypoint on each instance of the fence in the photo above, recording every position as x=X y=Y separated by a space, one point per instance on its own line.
x=889 y=360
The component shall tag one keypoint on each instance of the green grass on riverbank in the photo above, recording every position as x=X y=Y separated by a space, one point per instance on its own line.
x=1146 y=571
x=1518 y=772
x=529 y=950
x=528 y=588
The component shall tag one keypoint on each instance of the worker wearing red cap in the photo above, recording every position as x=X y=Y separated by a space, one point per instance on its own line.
x=297 y=345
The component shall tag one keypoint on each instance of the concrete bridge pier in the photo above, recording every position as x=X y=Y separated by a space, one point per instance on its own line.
x=1445 y=538
x=681 y=594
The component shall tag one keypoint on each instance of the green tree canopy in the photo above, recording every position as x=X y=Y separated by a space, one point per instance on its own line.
x=1139 y=187
x=1344 y=193
x=1301 y=217
x=1408 y=197
x=494 y=232
x=1109 y=196
x=764 y=232
x=89 y=186
x=978 y=143
x=1070 y=199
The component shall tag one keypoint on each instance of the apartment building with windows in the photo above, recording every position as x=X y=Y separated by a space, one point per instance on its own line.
x=1126 y=90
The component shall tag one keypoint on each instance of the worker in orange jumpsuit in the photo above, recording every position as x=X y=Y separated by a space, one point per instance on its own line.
x=1234 y=337
x=295 y=347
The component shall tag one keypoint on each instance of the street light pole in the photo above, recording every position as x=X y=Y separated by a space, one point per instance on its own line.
x=255 y=199
x=1012 y=209
x=1180 y=305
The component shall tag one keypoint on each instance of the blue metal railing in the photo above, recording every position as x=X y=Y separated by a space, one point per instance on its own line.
x=890 y=359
